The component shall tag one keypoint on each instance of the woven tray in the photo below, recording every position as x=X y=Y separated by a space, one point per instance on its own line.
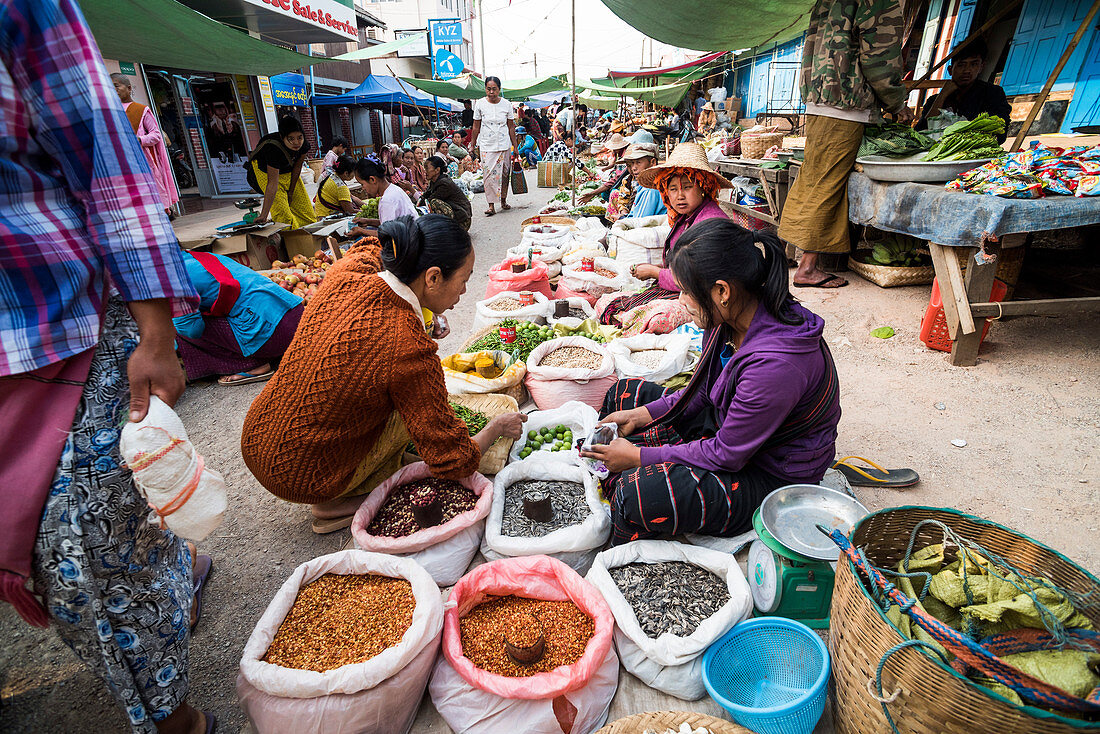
x=492 y=405
x=546 y=219
x=658 y=721
x=888 y=276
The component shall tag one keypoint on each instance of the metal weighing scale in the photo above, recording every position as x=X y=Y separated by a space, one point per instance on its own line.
x=791 y=565
x=246 y=222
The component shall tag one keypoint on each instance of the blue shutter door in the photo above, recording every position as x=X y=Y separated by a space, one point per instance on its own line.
x=963 y=21
x=1084 y=109
x=1042 y=34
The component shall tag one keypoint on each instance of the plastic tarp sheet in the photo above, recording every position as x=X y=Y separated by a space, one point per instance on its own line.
x=594 y=101
x=715 y=25
x=168 y=33
x=381 y=49
x=469 y=86
x=386 y=91
x=666 y=95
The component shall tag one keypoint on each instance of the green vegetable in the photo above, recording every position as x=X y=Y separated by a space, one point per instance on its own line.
x=369 y=210
x=969 y=140
x=528 y=336
x=882 y=332
x=897 y=250
x=474 y=420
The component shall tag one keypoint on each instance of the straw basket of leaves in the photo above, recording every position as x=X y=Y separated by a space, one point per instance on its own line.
x=755 y=145
x=490 y=405
x=893 y=260
x=662 y=721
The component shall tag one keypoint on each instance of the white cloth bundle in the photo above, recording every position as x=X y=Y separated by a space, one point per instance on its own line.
x=186 y=497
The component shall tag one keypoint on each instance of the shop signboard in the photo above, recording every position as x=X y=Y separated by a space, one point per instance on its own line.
x=127 y=68
x=417 y=48
x=289 y=90
x=325 y=15
x=446 y=32
x=445 y=65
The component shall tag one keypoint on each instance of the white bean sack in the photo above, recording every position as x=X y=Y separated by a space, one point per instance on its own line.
x=676 y=358
x=591 y=229
x=552 y=387
x=379 y=695
x=580 y=281
x=639 y=241
x=670 y=663
x=558 y=237
x=574 y=415
x=576 y=545
x=165 y=479
x=485 y=314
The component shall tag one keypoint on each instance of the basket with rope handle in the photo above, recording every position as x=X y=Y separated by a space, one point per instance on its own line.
x=660 y=721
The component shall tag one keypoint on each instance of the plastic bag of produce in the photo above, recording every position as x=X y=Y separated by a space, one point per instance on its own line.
x=501 y=278
x=495 y=309
x=444 y=551
x=670 y=663
x=574 y=545
x=607 y=276
x=552 y=386
x=551 y=236
x=186 y=496
x=571 y=699
x=574 y=415
x=461 y=375
x=379 y=695
x=542 y=253
x=576 y=303
x=650 y=365
x=639 y=241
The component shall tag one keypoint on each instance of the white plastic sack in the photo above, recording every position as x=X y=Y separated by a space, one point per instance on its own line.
x=640 y=240
x=591 y=229
x=571 y=321
x=676 y=357
x=464 y=383
x=670 y=663
x=556 y=236
x=582 y=250
x=306 y=176
x=485 y=314
x=546 y=253
x=186 y=495
x=580 y=281
x=717 y=96
x=576 y=545
x=381 y=694
x=574 y=415
x=551 y=387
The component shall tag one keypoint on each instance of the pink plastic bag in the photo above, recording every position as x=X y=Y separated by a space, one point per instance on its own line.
x=552 y=387
x=501 y=278
x=444 y=551
x=563 y=292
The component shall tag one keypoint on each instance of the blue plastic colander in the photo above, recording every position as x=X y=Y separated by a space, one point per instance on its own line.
x=770 y=674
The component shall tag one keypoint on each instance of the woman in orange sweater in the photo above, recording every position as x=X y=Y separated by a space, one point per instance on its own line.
x=361 y=378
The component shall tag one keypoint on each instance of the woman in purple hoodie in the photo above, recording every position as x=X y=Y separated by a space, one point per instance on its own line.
x=760 y=412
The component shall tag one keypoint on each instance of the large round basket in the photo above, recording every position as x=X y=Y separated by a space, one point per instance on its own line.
x=932 y=698
x=659 y=721
x=491 y=405
x=517 y=392
x=888 y=276
x=546 y=219
x=755 y=145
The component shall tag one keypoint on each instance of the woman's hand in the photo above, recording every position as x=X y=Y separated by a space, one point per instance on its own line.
x=617 y=456
x=153 y=368
x=440 y=327
x=508 y=425
x=629 y=421
x=587 y=197
x=645 y=271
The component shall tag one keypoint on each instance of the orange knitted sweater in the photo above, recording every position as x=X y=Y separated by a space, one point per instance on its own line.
x=360 y=353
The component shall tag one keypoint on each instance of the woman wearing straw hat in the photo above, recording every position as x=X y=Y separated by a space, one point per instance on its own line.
x=612 y=174
x=689 y=187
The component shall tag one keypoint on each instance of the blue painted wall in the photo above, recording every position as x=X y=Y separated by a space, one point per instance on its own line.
x=755 y=77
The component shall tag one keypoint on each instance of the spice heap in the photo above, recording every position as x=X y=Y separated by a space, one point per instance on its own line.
x=339 y=620
x=648 y=358
x=474 y=420
x=671 y=596
x=605 y=272
x=506 y=304
x=566 y=498
x=395 y=519
x=565 y=627
x=528 y=336
x=575 y=357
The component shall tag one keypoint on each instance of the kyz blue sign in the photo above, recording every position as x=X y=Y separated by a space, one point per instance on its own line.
x=447 y=65
x=446 y=32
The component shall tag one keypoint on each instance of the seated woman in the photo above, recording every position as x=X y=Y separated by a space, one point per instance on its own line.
x=761 y=411
x=333 y=195
x=362 y=378
x=457 y=149
x=443 y=150
x=688 y=187
x=243 y=324
x=646 y=202
x=528 y=150
x=443 y=195
x=393 y=201
x=613 y=173
x=274 y=170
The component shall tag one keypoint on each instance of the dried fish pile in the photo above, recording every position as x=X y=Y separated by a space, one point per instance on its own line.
x=577 y=313
x=506 y=304
x=648 y=358
x=575 y=357
x=566 y=498
x=671 y=596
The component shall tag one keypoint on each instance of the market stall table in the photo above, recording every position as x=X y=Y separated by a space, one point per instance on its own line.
x=981 y=224
x=775 y=183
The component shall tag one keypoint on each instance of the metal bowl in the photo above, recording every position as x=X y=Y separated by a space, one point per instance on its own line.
x=791 y=515
x=911 y=168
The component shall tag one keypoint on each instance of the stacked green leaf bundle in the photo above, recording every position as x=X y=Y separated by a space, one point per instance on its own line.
x=969 y=140
x=474 y=420
x=893 y=140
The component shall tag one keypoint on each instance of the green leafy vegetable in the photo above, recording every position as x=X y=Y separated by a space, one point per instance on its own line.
x=883 y=332
x=969 y=140
x=474 y=420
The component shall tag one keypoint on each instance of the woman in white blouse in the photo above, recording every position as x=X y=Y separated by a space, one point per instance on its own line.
x=495 y=133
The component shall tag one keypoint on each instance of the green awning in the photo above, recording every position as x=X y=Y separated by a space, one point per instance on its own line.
x=518 y=90
x=382 y=49
x=469 y=86
x=599 y=102
x=665 y=95
x=168 y=33
x=715 y=25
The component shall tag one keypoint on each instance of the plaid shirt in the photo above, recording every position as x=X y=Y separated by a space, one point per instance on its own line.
x=79 y=210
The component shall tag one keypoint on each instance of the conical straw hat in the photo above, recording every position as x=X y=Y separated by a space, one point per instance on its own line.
x=684 y=155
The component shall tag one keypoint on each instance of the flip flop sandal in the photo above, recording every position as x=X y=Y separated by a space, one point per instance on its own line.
x=821 y=283
x=331 y=524
x=875 y=475
x=203 y=565
x=489 y=212
x=505 y=207
x=211 y=722
x=246 y=377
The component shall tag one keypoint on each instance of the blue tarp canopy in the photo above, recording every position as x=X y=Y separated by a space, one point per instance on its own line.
x=387 y=92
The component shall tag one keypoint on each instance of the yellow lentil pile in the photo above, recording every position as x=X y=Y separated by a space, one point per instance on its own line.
x=566 y=629
x=338 y=620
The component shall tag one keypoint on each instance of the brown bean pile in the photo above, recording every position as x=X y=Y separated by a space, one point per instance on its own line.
x=339 y=620
x=605 y=272
x=566 y=629
x=506 y=304
x=572 y=357
x=395 y=517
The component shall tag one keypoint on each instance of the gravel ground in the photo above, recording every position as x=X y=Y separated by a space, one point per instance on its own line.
x=1029 y=413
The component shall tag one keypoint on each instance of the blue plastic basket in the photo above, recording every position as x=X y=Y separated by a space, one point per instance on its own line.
x=770 y=674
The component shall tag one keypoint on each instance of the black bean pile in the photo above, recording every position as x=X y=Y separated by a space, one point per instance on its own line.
x=671 y=596
x=567 y=499
x=395 y=518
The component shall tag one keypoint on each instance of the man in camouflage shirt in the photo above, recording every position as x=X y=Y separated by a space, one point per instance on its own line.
x=851 y=67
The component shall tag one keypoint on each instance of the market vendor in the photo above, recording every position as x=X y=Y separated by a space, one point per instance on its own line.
x=243 y=325
x=528 y=151
x=274 y=170
x=393 y=202
x=443 y=196
x=640 y=201
x=760 y=413
x=362 y=378
x=333 y=195
x=613 y=173
x=968 y=95
x=561 y=151
x=457 y=148
x=689 y=188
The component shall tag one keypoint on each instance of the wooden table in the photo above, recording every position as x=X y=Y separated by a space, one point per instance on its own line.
x=775 y=182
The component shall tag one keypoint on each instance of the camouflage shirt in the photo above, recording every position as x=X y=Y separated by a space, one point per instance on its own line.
x=852 y=56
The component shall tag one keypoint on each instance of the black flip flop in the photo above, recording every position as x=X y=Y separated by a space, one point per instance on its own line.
x=874 y=475
x=203 y=565
x=821 y=283
x=211 y=722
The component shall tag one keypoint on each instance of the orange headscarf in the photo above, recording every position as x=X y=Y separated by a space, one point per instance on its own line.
x=709 y=185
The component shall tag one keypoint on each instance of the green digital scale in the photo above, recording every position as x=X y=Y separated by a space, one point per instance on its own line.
x=793 y=577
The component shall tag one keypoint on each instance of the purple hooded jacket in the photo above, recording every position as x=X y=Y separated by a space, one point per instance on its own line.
x=774 y=373
x=709 y=209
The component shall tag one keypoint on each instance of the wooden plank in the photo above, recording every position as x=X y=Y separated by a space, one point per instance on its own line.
x=751 y=212
x=1037 y=307
x=949 y=275
x=979 y=283
x=768 y=195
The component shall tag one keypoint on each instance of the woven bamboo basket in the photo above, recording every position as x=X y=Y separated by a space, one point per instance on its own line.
x=1009 y=264
x=932 y=698
x=546 y=219
x=755 y=145
x=659 y=721
x=888 y=276
x=517 y=392
x=317 y=165
x=491 y=405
